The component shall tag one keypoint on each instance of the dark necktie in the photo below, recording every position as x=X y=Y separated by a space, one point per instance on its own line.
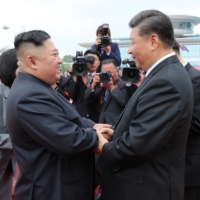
x=107 y=93
x=90 y=77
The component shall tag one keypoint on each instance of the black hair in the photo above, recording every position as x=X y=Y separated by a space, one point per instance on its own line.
x=108 y=61
x=8 y=66
x=92 y=51
x=101 y=30
x=176 y=47
x=154 y=21
x=35 y=37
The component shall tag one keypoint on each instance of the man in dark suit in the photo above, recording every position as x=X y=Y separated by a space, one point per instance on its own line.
x=112 y=95
x=192 y=164
x=78 y=85
x=110 y=51
x=8 y=72
x=146 y=157
x=52 y=143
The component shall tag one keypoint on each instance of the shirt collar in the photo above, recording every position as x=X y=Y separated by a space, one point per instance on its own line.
x=157 y=62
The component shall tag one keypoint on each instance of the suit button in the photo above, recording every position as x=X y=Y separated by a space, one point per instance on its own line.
x=114 y=169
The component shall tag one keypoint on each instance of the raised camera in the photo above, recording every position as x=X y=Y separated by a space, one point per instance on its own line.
x=104 y=77
x=130 y=74
x=105 y=40
x=80 y=66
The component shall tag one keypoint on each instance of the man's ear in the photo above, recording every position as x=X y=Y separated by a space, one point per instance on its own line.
x=154 y=40
x=31 y=62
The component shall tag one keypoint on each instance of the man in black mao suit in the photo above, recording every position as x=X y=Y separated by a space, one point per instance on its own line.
x=192 y=164
x=146 y=157
x=52 y=143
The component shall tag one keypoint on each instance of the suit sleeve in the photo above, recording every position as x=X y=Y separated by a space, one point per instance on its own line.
x=50 y=126
x=91 y=96
x=5 y=142
x=195 y=122
x=73 y=88
x=120 y=95
x=151 y=126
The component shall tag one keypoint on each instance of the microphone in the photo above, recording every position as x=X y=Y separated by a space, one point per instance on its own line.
x=125 y=61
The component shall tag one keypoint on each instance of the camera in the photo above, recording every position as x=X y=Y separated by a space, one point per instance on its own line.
x=130 y=74
x=105 y=40
x=104 y=77
x=80 y=66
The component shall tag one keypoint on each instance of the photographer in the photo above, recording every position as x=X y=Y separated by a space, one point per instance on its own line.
x=112 y=94
x=108 y=50
x=78 y=85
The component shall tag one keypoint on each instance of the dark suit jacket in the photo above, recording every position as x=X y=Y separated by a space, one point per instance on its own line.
x=112 y=108
x=146 y=158
x=192 y=167
x=6 y=152
x=85 y=108
x=51 y=141
x=114 y=54
x=63 y=86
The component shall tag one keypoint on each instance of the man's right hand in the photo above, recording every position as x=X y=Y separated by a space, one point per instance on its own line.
x=96 y=79
x=102 y=141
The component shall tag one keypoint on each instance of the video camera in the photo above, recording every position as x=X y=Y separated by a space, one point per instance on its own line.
x=130 y=74
x=105 y=40
x=80 y=66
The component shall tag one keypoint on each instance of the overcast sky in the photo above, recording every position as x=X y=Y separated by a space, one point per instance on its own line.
x=70 y=22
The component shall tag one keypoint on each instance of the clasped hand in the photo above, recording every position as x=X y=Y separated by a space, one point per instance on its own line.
x=104 y=133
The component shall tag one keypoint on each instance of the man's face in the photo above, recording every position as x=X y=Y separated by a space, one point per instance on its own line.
x=111 y=69
x=48 y=62
x=139 y=49
x=92 y=67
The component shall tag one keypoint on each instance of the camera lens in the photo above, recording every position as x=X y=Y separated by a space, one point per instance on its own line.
x=104 y=77
x=130 y=74
x=80 y=69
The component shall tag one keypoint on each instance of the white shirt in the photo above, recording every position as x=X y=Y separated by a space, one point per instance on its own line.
x=157 y=62
x=184 y=64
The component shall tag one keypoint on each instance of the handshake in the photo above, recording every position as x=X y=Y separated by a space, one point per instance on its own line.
x=104 y=133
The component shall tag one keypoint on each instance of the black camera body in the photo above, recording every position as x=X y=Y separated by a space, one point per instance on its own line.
x=104 y=77
x=105 y=40
x=130 y=74
x=80 y=66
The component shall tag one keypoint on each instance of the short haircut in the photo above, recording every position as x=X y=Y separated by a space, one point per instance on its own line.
x=100 y=30
x=108 y=61
x=154 y=21
x=35 y=37
x=92 y=51
x=8 y=66
x=176 y=47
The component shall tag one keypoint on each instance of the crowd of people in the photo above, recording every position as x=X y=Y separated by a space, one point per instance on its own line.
x=79 y=137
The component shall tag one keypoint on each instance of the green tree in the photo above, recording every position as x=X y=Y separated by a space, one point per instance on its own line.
x=67 y=62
